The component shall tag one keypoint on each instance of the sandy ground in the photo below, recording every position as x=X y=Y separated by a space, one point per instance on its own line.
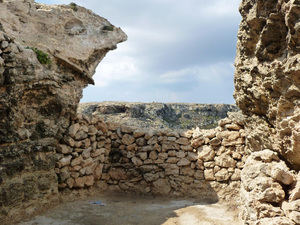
x=123 y=209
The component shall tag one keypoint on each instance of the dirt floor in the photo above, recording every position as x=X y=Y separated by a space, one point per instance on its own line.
x=113 y=209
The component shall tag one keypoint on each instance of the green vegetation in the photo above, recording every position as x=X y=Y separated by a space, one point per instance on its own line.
x=108 y=28
x=210 y=126
x=186 y=124
x=73 y=6
x=41 y=56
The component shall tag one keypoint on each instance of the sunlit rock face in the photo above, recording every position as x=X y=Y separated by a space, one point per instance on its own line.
x=267 y=77
x=267 y=82
x=48 y=54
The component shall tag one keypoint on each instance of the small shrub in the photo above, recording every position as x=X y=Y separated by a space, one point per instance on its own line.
x=41 y=56
x=73 y=6
x=108 y=28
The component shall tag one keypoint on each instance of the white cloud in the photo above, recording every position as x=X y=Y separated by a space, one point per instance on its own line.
x=213 y=73
x=221 y=8
x=110 y=72
x=152 y=35
x=176 y=50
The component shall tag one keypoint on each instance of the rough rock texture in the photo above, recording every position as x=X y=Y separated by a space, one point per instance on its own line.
x=264 y=178
x=160 y=115
x=37 y=100
x=267 y=90
x=205 y=164
x=44 y=147
x=267 y=77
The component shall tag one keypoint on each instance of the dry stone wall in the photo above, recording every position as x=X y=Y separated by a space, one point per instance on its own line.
x=200 y=163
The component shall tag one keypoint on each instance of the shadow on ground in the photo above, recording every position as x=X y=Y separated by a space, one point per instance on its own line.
x=113 y=209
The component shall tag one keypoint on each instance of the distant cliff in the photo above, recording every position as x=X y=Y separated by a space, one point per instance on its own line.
x=160 y=115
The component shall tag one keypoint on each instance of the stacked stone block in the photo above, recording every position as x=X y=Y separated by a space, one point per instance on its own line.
x=83 y=152
x=164 y=162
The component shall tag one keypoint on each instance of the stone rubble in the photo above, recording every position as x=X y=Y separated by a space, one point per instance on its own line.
x=264 y=180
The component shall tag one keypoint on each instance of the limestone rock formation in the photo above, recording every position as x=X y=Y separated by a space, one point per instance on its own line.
x=264 y=178
x=160 y=115
x=48 y=54
x=267 y=90
x=267 y=77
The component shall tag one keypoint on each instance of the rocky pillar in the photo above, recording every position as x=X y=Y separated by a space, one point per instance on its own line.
x=48 y=54
x=267 y=76
x=267 y=90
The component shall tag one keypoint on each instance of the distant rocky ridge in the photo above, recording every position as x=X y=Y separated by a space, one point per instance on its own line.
x=160 y=115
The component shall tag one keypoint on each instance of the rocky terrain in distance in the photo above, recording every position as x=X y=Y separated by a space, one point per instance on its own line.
x=160 y=115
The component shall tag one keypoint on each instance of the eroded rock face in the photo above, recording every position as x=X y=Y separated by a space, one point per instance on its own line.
x=267 y=77
x=267 y=90
x=38 y=99
x=263 y=181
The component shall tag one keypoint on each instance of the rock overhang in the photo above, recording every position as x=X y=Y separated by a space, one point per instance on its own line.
x=38 y=98
x=76 y=37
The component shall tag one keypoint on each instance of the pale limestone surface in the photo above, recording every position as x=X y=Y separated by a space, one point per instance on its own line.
x=136 y=209
x=267 y=90
x=79 y=38
x=267 y=76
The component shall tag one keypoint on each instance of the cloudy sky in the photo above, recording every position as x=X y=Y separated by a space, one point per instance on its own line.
x=177 y=51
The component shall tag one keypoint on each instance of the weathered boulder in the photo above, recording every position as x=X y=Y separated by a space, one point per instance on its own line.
x=275 y=221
